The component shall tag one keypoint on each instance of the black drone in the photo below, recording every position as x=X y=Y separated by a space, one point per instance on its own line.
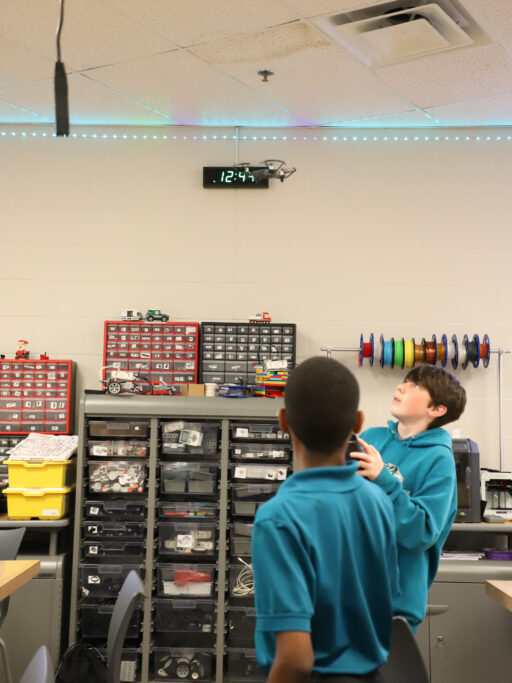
x=274 y=169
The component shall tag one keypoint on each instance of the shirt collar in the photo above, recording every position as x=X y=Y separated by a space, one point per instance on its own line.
x=334 y=479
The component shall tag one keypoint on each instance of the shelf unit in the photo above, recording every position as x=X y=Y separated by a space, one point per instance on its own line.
x=157 y=411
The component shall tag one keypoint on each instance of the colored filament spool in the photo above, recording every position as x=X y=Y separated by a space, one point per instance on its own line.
x=455 y=353
x=474 y=351
x=444 y=357
x=408 y=353
x=485 y=351
x=431 y=351
x=398 y=359
x=463 y=352
x=387 y=355
x=366 y=350
x=419 y=352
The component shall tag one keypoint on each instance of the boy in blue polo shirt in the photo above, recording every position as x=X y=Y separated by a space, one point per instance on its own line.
x=411 y=460
x=323 y=549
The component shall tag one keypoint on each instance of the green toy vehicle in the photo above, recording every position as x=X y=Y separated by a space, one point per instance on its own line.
x=156 y=314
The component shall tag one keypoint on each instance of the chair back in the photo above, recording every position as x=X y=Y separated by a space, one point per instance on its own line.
x=405 y=663
x=130 y=594
x=40 y=669
x=10 y=541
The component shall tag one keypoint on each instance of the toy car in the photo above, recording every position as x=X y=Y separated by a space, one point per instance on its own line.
x=156 y=314
x=131 y=314
x=261 y=318
x=121 y=381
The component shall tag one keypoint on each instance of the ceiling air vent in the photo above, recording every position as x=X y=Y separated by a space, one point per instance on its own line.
x=391 y=32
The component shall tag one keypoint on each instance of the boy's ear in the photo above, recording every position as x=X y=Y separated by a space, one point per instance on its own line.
x=437 y=411
x=283 y=422
x=359 y=421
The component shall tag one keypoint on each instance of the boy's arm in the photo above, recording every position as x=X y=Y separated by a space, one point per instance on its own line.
x=283 y=581
x=420 y=518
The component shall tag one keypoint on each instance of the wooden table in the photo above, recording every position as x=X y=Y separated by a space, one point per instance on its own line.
x=16 y=573
x=500 y=591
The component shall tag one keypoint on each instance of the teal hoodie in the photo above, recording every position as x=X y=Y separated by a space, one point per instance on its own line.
x=419 y=478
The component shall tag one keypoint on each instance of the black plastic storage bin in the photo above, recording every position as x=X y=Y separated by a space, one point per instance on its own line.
x=118 y=448
x=190 y=438
x=119 y=429
x=241 y=626
x=117 y=476
x=116 y=530
x=260 y=451
x=95 y=620
x=107 y=549
x=240 y=535
x=193 y=510
x=185 y=580
x=189 y=479
x=258 y=431
x=187 y=539
x=182 y=664
x=185 y=622
x=118 y=510
x=262 y=472
x=243 y=666
x=241 y=583
x=105 y=580
x=246 y=498
x=130 y=664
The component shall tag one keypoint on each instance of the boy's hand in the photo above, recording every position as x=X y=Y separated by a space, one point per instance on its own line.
x=371 y=463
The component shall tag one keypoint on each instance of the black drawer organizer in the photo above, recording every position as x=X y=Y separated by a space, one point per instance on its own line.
x=229 y=351
x=171 y=489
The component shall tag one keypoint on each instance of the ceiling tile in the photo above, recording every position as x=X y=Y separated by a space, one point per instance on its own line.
x=21 y=65
x=403 y=119
x=451 y=76
x=495 y=18
x=190 y=91
x=89 y=103
x=489 y=111
x=10 y=113
x=93 y=32
x=190 y=22
x=312 y=77
x=315 y=8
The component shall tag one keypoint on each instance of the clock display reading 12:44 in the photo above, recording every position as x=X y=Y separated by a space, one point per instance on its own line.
x=235 y=177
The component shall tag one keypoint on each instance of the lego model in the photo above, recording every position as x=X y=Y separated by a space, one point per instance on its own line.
x=124 y=381
x=44 y=356
x=156 y=314
x=271 y=378
x=261 y=318
x=21 y=351
x=131 y=314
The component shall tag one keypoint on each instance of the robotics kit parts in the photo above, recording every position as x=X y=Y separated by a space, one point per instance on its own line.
x=117 y=476
x=190 y=438
x=404 y=353
x=194 y=539
x=171 y=664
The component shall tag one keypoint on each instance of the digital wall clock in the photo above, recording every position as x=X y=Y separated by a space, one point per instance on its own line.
x=247 y=177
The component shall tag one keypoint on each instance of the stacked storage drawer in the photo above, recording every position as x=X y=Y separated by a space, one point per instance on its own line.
x=229 y=351
x=185 y=601
x=260 y=460
x=113 y=529
x=6 y=443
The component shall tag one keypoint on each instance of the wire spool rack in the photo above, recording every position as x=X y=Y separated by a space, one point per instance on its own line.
x=405 y=353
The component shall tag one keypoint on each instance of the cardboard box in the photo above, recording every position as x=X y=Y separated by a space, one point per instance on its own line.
x=192 y=390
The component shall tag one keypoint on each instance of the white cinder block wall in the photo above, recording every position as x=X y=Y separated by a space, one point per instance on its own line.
x=405 y=238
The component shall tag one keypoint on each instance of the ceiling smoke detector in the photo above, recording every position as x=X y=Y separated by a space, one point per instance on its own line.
x=391 y=32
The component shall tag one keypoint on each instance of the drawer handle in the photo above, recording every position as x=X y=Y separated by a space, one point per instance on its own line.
x=437 y=609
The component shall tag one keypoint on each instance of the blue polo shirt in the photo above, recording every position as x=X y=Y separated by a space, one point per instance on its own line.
x=325 y=561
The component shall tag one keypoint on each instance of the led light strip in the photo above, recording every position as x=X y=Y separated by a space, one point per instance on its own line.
x=267 y=138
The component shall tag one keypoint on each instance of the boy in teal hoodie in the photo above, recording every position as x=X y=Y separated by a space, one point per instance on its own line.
x=412 y=462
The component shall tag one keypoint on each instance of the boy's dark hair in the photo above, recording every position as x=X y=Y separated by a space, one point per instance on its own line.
x=444 y=390
x=321 y=400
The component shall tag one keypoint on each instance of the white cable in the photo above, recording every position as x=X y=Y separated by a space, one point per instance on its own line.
x=244 y=584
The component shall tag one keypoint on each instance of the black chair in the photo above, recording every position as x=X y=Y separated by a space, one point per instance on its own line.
x=405 y=663
x=10 y=541
x=130 y=595
x=40 y=669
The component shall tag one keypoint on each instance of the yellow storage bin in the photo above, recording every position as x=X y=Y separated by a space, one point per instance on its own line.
x=39 y=474
x=39 y=503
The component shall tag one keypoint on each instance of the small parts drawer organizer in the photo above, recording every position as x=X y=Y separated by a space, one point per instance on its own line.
x=162 y=352
x=229 y=351
x=113 y=529
x=37 y=396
